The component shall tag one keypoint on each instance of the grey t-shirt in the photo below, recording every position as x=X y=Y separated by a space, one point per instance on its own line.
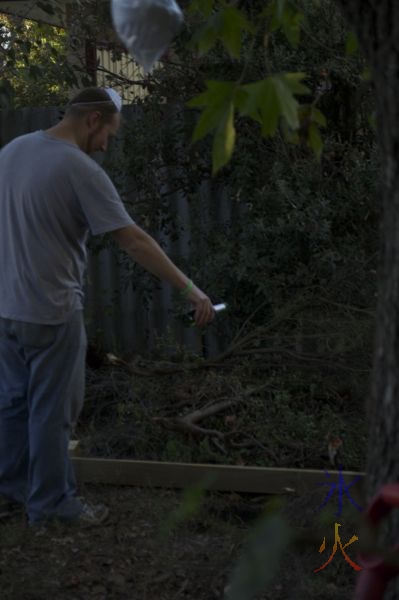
x=52 y=196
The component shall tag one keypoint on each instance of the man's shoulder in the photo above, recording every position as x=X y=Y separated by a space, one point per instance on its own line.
x=20 y=139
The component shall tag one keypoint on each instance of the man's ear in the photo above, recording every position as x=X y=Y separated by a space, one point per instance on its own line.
x=93 y=119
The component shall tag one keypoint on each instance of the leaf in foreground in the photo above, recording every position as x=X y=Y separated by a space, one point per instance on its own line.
x=260 y=559
x=224 y=140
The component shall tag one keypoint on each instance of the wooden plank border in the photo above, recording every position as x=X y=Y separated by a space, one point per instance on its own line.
x=258 y=480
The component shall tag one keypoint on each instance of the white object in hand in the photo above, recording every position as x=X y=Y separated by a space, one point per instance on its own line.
x=219 y=307
x=146 y=27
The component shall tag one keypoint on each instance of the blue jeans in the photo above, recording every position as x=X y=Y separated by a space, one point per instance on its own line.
x=42 y=384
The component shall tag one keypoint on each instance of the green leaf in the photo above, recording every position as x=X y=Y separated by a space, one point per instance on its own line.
x=286 y=85
x=351 y=45
x=248 y=98
x=216 y=93
x=219 y=95
x=267 y=100
x=209 y=120
x=292 y=26
x=310 y=114
x=286 y=18
x=234 y=21
x=315 y=141
x=318 y=117
x=292 y=137
x=191 y=503
x=288 y=104
x=279 y=8
x=246 y=101
x=275 y=23
x=207 y=35
x=270 y=109
x=293 y=80
x=204 y=7
x=259 y=101
x=224 y=140
x=226 y=26
x=274 y=11
x=260 y=559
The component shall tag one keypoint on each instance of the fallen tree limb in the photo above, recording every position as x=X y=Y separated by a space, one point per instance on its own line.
x=188 y=423
x=211 y=409
x=237 y=351
x=178 y=424
x=208 y=411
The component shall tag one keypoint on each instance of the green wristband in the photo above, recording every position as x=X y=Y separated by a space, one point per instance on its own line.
x=187 y=289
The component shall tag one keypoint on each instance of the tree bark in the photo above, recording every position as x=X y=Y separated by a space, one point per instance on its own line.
x=376 y=23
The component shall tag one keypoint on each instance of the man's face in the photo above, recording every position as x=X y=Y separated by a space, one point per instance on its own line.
x=99 y=133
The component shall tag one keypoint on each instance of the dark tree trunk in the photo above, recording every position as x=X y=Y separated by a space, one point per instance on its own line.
x=376 y=23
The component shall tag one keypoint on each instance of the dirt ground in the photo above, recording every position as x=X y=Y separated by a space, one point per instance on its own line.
x=132 y=556
x=127 y=558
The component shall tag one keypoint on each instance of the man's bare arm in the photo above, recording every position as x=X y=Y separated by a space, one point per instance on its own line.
x=146 y=252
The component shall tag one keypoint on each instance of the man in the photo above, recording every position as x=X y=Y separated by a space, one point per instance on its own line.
x=52 y=196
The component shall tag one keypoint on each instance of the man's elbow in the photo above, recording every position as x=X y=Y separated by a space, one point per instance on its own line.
x=130 y=238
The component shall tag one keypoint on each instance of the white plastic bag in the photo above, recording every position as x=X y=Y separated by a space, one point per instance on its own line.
x=146 y=27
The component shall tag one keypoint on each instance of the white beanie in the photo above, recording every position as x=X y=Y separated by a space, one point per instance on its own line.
x=115 y=97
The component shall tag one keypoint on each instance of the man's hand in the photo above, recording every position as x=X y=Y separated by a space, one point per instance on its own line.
x=145 y=250
x=204 y=312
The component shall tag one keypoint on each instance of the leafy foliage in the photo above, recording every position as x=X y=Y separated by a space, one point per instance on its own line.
x=225 y=25
x=35 y=69
x=284 y=16
x=275 y=222
x=267 y=100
